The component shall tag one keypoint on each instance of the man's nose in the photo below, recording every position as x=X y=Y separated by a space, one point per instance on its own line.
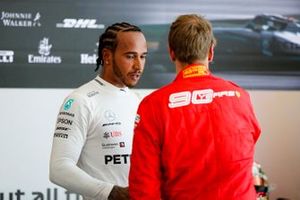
x=138 y=64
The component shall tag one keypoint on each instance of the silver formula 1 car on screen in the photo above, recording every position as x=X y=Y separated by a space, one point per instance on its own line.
x=264 y=43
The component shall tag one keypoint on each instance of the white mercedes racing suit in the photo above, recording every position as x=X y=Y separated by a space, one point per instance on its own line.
x=92 y=140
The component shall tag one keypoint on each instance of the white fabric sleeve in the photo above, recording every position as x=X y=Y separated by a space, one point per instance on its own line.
x=69 y=138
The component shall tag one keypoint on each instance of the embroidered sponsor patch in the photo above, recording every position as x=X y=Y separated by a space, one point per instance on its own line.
x=68 y=104
x=195 y=71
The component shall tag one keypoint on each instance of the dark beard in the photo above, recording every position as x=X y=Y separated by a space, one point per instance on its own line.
x=119 y=77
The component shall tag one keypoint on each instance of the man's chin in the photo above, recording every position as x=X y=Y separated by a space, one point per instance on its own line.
x=132 y=84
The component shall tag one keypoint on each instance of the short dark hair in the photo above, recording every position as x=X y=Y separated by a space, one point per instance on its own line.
x=108 y=38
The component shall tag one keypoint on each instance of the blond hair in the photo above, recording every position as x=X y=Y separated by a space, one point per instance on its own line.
x=190 y=38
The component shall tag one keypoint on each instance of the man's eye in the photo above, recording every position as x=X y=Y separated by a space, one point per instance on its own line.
x=130 y=56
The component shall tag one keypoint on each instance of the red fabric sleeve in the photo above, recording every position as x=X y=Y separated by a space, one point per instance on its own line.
x=145 y=172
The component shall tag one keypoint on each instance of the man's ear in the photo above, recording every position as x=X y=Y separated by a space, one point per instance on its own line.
x=107 y=56
x=211 y=53
x=172 y=54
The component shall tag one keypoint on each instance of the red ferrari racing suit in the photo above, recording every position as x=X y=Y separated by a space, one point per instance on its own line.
x=194 y=139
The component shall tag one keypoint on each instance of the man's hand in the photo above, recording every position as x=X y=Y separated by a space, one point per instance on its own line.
x=119 y=193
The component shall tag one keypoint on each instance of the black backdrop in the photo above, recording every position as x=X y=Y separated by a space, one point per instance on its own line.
x=53 y=44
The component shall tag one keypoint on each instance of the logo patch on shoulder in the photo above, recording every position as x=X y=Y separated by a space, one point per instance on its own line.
x=68 y=104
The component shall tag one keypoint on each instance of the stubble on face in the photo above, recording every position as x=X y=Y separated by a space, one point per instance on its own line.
x=119 y=75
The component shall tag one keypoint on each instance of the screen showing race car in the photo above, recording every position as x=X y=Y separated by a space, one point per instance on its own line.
x=53 y=44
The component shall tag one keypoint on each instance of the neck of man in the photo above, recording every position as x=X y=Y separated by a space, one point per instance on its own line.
x=180 y=65
x=108 y=75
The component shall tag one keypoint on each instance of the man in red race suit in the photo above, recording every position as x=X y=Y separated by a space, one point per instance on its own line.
x=194 y=138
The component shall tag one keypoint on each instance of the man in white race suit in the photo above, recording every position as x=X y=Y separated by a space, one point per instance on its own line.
x=94 y=129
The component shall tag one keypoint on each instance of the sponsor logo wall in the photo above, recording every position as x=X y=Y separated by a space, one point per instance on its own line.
x=43 y=42
x=46 y=41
